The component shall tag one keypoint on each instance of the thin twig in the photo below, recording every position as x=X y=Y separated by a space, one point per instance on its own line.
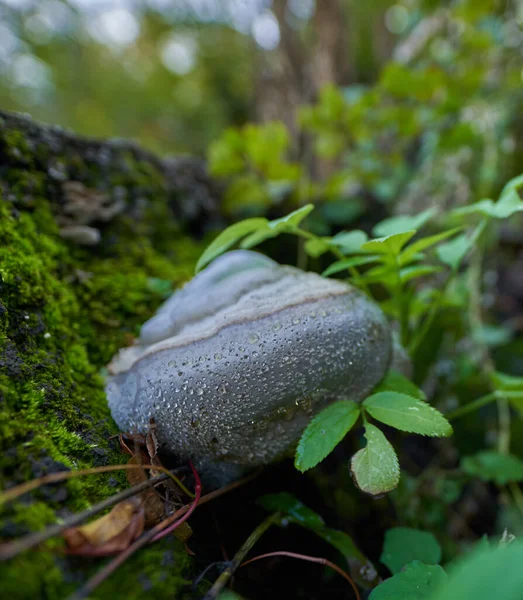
x=149 y=536
x=29 y=486
x=314 y=559
x=13 y=548
x=239 y=557
x=471 y=406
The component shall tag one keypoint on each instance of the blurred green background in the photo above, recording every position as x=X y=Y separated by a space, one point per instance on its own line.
x=174 y=73
x=395 y=102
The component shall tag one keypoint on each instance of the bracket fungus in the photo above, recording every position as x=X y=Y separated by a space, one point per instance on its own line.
x=234 y=365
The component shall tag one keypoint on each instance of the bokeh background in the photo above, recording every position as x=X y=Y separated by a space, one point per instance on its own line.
x=173 y=73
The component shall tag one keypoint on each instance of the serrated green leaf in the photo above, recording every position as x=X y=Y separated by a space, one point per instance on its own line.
x=391 y=244
x=415 y=248
x=493 y=466
x=292 y=220
x=347 y=263
x=402 y=223
x=228 y=238
x=324 y=432
x=375 y=468
x=417 y=582
x=402 y=545
x=290 y=505
x=396 y=382
x=407 y=413
x=486 y=574
x=414 y=271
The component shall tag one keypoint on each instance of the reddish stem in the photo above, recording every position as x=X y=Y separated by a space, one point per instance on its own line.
x=197 y=496
x=314 y=559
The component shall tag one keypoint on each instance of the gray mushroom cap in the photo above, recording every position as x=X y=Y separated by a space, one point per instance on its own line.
x=233 y=366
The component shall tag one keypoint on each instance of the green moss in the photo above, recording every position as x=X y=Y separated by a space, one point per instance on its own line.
x=17 y=147
x=64 y=311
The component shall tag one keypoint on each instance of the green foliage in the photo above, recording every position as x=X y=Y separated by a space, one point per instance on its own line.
x=486 y=573
x=407 y=414
x=398 y=263
x=375 y=468
x=307 y=518
x=493 y=466
x=324 y=432
x=403 y=545
x=417 y=582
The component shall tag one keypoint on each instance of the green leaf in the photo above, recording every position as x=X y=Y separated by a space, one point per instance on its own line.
x=347 y=263
x=317 y=246
x=403 y=545
x=492 y=335
x=417 y=582
x=513 y=184
x=486 y=574
x=306 y=517
x=452 y=253
x=414 y=271
x=290 y=505
x=413 y=249
x=396 y=382
x=292 y=220
x=342 y=542
x=509 y=203
x=511 y=387
x=375 y=468
x=402 y=223
x=256 y=238
x=324 y=432
x=391 y=244
x=407 y=414
x=228 y=238
x=506 y=383
x=349 y=241
x=493 y=466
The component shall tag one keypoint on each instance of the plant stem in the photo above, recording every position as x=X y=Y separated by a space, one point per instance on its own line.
x=28 y=486
x=339 y=255
x=239 y=557
x=487 y=362
x=150 y=536
x=13 y=548
x=516 y=494
x=429 y=319
x=313 y=559
x=472 y=406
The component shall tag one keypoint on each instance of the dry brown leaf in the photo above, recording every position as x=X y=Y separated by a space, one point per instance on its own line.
x=154 y=507
x=111 y=533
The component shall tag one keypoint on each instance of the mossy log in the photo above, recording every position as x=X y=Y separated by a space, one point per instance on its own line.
x=93 y=236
